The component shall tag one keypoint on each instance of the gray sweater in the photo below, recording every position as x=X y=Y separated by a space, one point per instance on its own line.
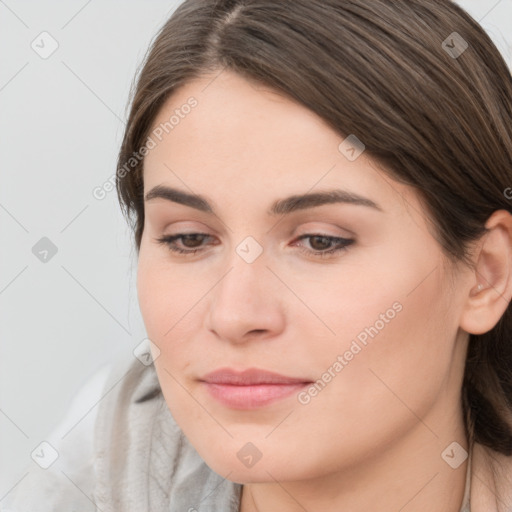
x=127 y=454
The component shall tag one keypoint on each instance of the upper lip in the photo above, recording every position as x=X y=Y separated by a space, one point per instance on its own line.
x=251 y=376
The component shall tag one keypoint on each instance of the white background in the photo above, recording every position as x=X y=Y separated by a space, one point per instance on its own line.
x=61 y=124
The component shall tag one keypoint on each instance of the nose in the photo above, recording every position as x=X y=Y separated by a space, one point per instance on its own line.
x=246 y=303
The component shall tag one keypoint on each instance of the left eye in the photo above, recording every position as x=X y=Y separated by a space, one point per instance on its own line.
x=340 y=244
x=193 y=243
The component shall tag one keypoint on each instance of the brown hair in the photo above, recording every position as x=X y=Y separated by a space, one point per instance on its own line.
x=387 y=72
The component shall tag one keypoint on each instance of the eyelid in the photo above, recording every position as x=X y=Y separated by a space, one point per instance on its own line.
x=341 y=244
x=311 y=228
x=320 y=228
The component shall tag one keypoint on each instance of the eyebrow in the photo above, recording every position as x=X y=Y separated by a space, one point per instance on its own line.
x=279 y=207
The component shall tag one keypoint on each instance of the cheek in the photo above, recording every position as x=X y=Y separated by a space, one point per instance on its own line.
x=164 y=301
x=171 y=305
x=152 y=296
x=396 y=350
x=389 y=321
x=166 y=296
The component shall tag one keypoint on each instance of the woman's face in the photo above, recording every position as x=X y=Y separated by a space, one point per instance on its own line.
x=373 y=327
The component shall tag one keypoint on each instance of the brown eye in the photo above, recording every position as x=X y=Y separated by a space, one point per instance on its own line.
x=320 y=245
x=192 y=242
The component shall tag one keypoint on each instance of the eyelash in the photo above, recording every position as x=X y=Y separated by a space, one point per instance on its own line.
x=168 y=240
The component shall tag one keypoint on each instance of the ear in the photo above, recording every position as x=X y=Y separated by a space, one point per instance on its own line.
x=490 y=289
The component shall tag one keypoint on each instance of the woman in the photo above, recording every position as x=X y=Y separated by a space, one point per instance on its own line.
x=319 y=201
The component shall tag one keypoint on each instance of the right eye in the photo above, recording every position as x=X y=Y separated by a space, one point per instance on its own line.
x=194 y=239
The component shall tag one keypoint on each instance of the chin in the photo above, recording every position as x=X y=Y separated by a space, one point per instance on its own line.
x=244 y=464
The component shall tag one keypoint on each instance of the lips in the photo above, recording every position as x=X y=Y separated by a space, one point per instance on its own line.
x=250 y=389
x=249 y=377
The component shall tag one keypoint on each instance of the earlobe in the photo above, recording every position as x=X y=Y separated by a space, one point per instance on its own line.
x=491 y=282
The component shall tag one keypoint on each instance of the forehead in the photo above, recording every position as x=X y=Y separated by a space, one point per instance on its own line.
x=244 y=138
x=233 y=113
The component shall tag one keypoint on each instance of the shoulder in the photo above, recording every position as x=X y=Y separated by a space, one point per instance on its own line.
x=60 y=477
x=126 y=452
x=95 y=433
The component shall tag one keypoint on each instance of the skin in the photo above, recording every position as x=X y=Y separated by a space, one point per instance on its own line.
x=376 y=432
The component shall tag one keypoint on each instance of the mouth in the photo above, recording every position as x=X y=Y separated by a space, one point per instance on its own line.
x=250 y=389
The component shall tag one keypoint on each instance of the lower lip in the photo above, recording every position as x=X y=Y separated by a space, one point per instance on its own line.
x=252 y=397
